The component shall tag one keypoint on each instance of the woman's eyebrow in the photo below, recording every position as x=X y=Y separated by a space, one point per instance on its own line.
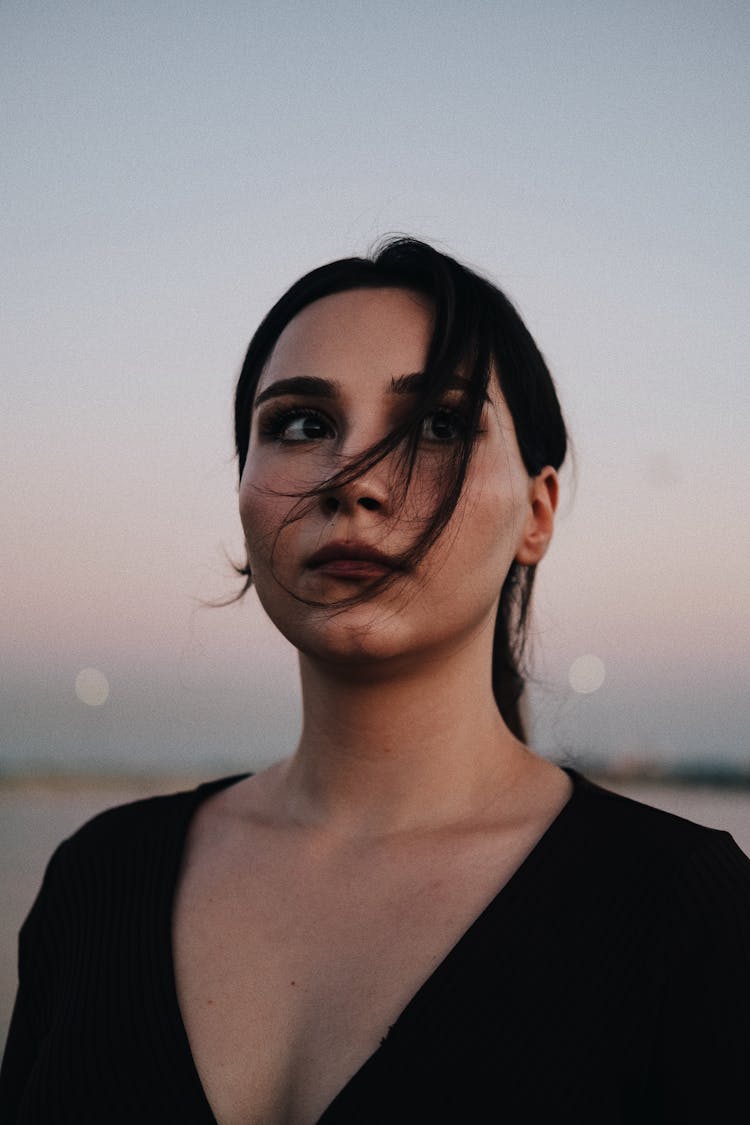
x=300 y=385
x=416 y=381
x=410 y=384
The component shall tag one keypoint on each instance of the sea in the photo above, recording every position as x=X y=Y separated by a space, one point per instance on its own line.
x=35 y=815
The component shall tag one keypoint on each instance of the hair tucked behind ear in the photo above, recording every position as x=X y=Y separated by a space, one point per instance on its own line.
x=476 y=329
x=508 y=681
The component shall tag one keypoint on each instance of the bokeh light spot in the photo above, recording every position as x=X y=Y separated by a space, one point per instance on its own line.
x=586 y=674
x=92 y=687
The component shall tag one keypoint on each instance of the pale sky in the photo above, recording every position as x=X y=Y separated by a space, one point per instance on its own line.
x=169 y=169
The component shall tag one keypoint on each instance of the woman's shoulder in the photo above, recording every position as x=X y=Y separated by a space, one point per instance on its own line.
x=134 y=831
x=616 y=814
x=695 y=861
x=121 y=854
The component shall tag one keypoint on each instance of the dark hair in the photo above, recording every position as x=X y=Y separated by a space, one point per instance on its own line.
x=475 y=328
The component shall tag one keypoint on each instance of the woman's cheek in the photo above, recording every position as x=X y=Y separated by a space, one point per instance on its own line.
x=257 y=514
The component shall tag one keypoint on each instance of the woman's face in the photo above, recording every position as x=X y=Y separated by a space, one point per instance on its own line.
x=351 y=359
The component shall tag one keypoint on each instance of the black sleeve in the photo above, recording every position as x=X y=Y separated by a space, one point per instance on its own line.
x=702 y=1069
x=35 y=970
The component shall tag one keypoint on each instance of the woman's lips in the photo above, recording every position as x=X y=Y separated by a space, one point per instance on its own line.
x=352 y=560
x=352 y=569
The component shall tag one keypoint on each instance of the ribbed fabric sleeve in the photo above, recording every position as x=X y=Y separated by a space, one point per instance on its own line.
x=96 y=1034
x=607 y=982
x=701 y=1064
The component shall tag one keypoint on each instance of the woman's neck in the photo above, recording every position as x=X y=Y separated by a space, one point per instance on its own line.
x=420 y=748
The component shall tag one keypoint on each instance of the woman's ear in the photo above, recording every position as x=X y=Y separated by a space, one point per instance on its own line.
x=540 y=518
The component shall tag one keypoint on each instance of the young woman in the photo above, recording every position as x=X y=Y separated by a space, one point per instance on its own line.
x=413 y=917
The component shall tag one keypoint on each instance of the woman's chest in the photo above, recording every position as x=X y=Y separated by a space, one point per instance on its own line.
x=289 y=975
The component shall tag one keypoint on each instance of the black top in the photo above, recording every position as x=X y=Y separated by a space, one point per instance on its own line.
x=608 y=981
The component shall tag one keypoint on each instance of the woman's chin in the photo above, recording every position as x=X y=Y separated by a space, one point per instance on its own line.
x=349 y=639
x=377 y=640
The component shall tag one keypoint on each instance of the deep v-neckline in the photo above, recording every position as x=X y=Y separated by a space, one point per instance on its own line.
x=426 y=993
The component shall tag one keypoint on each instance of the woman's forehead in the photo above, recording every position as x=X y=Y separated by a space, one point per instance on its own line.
x=354 y=333
x=361 y=339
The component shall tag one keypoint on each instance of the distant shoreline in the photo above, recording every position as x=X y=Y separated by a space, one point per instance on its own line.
x=78 y=782
x=707 y=775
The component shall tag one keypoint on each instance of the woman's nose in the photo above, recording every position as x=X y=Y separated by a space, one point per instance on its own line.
x=333 y=503
x=369 y=491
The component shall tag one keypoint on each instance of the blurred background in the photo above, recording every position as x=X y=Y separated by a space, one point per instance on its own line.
x=168 y=170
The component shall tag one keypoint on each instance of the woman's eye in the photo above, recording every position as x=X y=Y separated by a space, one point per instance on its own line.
x=443 y=425
x=299 y=425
